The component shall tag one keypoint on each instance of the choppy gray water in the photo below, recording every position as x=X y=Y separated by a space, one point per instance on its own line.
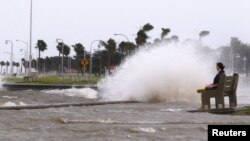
x=141 y=121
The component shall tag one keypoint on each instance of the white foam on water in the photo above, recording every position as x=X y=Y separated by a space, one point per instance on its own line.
x=170 y=110
x=22 y=103
x=164 y=73
x=143 y=129
x=107 y=121
x=9 y=97
x=1 y=82
x=84 y=92
x=10 y=103
x=225 y=120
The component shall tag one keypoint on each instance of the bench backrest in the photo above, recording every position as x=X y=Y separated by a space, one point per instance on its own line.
x=228 y=84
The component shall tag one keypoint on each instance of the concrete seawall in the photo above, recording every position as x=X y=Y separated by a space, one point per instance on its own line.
x=24 y=86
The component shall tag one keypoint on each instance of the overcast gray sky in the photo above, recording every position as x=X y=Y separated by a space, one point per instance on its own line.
x=87 y=20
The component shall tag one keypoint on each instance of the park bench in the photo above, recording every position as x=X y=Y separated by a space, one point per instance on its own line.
x=33 y=76
x=227 y=87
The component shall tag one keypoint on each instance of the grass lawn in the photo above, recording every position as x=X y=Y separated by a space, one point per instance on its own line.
x=55 y=79
x=244 y=111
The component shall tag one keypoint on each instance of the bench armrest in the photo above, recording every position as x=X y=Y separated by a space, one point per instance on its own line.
x=207 y=91
x=200 y=90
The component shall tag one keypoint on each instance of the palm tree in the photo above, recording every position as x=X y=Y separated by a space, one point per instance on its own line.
x=126 y=47
x=122 y=47
x=80 y=51
x=66 y=50
x=203 y=33
x=164 y=32
x=131 y=47
x=17 y=66
x=142 y=37
x=7 y=66
x=110 y=46
x=59 y=48
x=2 y=63
x=147 y=27
x=63 y=49
x=25 y=64
x=42 y=46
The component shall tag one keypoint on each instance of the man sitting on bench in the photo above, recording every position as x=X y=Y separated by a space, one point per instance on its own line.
x=220 y=68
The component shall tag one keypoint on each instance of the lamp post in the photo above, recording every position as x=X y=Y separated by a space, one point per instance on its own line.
x=58 y=41
x=100 y=61
x=69 y=65
x=11 y=55
x=244 y=60
x=21 y=64
x=90 y=64
x=26 y=52
x=30 y=52
x=232 y=59
x=237 y=56
x=122 y=35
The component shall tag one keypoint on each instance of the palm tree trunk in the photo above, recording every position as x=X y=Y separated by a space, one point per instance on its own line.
x=109 y=60
x=25 y=66
x=59 y=61
x=39 y=55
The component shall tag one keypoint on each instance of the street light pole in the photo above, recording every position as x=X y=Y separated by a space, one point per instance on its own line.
x=100 y=62
x=90 y=64
x=26 y=52
x=122 y=35
x=232 y=59
x=69 y=65
x=11 y=55
x=58 y=41
x=21 y=64
x=30 y=56
x=244 y=59
x=84 y=57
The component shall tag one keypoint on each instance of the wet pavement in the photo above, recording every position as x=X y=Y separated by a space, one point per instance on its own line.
x=138 y=121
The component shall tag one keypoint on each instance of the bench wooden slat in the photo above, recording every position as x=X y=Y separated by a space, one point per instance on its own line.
x=229 y=83
x=228 y=89
x=229 y=78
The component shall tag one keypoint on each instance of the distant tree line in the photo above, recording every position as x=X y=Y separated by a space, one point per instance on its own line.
x=236 y=56
x=5 y=66
x=113 y=53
